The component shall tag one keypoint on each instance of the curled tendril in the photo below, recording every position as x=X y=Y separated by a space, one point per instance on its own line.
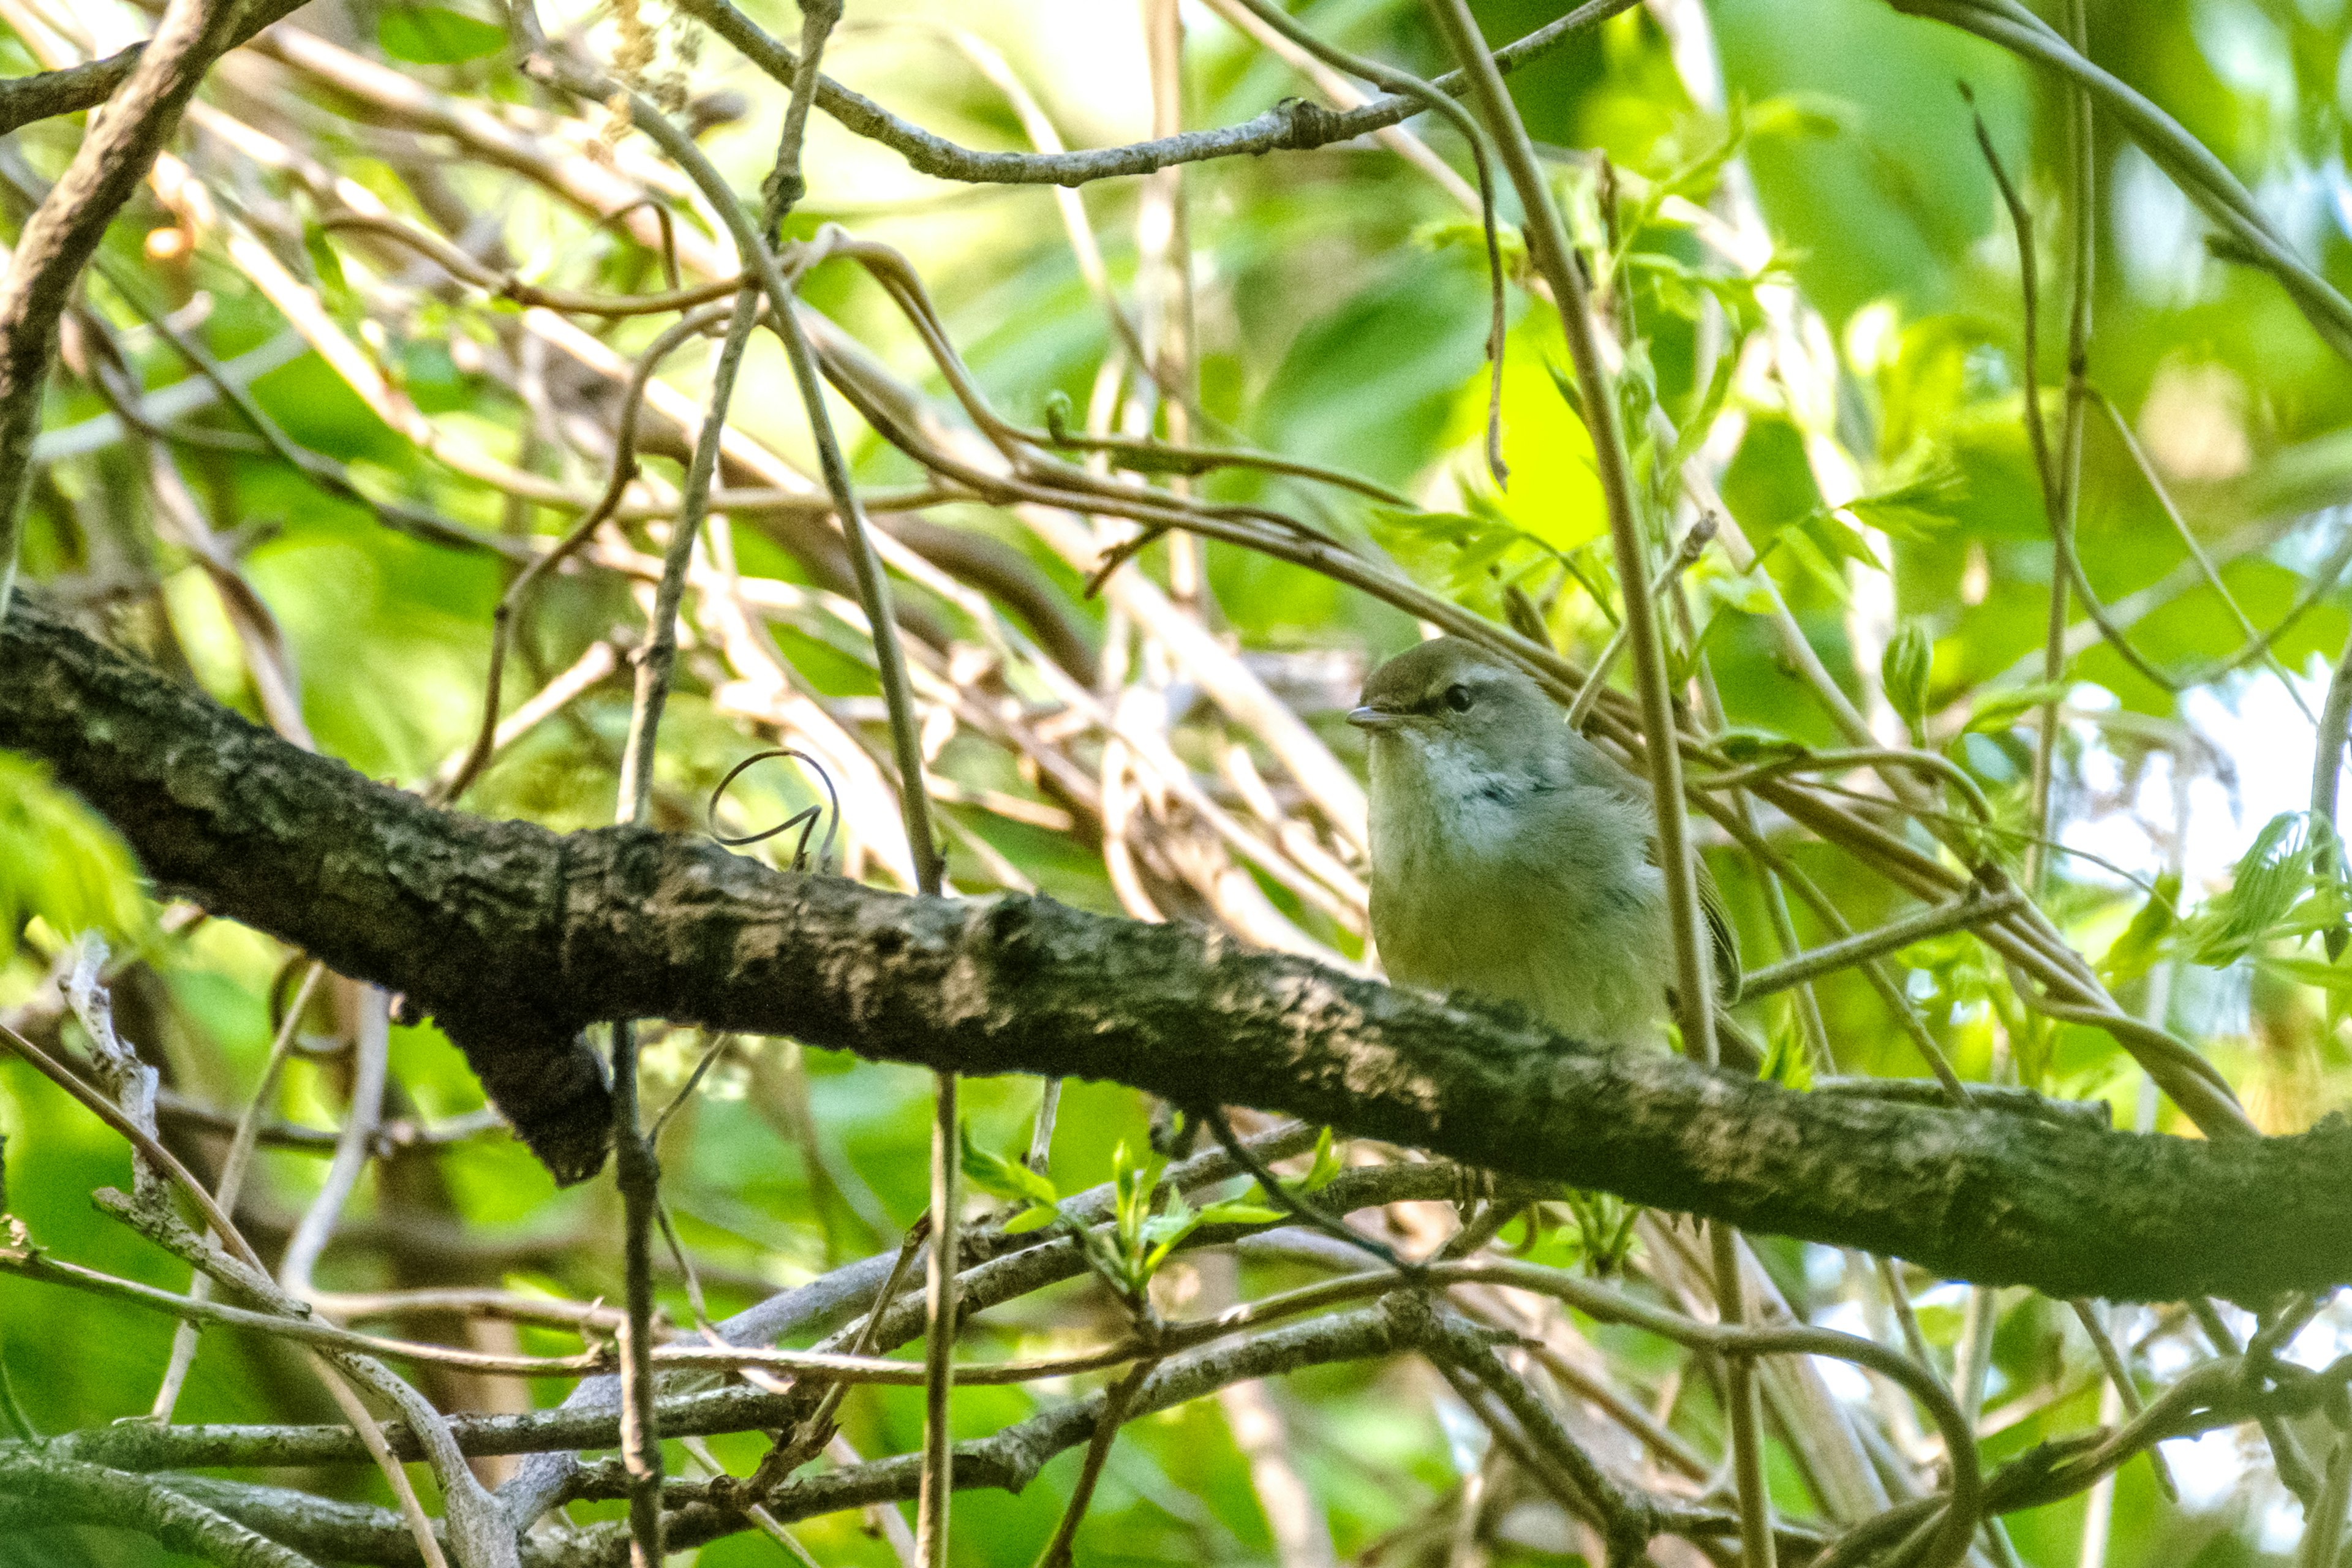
x=805 y=819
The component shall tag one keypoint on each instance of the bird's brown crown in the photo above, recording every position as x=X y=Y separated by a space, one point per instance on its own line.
x=1417 y=680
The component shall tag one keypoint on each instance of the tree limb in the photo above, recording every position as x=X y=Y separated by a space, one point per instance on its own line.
x=44 y=94
x=516 y=938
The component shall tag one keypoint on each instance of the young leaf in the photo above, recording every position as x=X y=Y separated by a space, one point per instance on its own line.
x=1005 y=1178
x=1785 y=1062
x=1997 y=711
x=325 y=261
x=2135 y=952
x=2324 y=976
x=1324 y=1168
x=2270 y=877
x=1916 y=507
x=1570 y=393
x=436 y=36
x=1700 y=424
x=1903 y=672
x=1742 y=747
x=1839 y=540
x=1171 y=1227
x=1133 y=1187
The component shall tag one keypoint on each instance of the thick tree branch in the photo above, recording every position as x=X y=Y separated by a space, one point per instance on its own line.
x=516 y=938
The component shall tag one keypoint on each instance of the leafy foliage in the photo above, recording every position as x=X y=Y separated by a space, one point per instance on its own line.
x=1806 y=280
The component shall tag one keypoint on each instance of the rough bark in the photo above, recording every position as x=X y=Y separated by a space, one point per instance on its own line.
x=516 y=938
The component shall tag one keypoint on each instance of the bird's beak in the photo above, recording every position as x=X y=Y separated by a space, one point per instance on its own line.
x=1374 y=719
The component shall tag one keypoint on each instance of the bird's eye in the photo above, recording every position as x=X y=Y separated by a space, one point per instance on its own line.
x=1458 y=697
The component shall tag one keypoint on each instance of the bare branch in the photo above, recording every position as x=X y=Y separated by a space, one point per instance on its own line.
x=516 y=938
x=1293 y=125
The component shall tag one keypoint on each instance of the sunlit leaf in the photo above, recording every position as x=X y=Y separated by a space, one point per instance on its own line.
x=2270 y=878
x=1786 y=1061
x=2000 y=710
x=993 y=1172
x=435 y=35
x=1903 y=672
x=2131 y=954
x=1032 y=1219
x=62 y=864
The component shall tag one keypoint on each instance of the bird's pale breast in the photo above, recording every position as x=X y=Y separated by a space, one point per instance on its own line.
x=1504 y=889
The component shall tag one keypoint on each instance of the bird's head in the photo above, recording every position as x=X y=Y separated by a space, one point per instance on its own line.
x=1448 y=698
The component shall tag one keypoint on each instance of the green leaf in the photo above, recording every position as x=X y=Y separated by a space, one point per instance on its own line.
x=1570 y=393
x=1604 y=1228
x=1902 y=671
x=1700 y=422
x=62 y=864
x=325 y=261
x=1468 y=557
x=1916 y=507
x=2324 y=973
x=1837 y=539
x=1469 y=234
x=2000 y=710
x=436 y=36
x=2132 y=955
x=1029 y=1219
x=2271 y=878
x=1324 y=1167
x=993 y=1172
x=1681 y=287
x=1785 y=1061
x=1134 y=1185
x=1175 y=1224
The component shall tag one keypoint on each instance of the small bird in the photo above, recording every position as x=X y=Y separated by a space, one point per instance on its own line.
x=1512 y=857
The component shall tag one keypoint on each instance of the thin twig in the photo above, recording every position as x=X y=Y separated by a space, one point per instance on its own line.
x=637 y=1170
x=231 y=1180
x=1290 y=125
x=59 y=238
x=371 y=1045
x=2119 y=1378
x=1562 y=268
x=453 y=786
x=1115 y=1401
x=1687 y=554
x=1959 y=914
x=1400 y=81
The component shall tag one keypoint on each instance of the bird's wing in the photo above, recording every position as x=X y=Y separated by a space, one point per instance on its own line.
x=1606 y=770
x=1722 y=937
x=1720 y=931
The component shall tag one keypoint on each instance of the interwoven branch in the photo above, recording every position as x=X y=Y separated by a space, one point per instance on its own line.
x=516 y=938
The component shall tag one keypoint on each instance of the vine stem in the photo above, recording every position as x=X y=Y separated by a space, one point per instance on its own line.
x=637 y=1170
x=1548 y=243
x=761 y=262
